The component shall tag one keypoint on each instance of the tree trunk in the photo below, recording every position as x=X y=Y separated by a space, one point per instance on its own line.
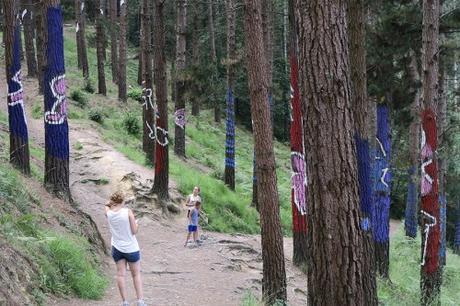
x=274 y=275
x=81 y=37
x=196 y=60
x=161 y=181
x=122 y=95
x=267 y=26
x=430 y=281
x=19 y=142
x=149 y=108
x=299 y=175
x=230 y=122
x=100 y=42
x=443 y=162
x=179 y=115
x=113 y=39
x=140 y=65
x=338 y=267
x=457 y=231
x=56 y=126
x=381 y=217
x=361 y=106
x=212 y=43
x=411 y=213
x=40 y=24
x=29 y=34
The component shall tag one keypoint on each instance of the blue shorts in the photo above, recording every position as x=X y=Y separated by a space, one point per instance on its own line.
x=192 y=228
x=130 y=257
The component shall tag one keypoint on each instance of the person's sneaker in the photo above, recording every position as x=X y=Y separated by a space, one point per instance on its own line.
x=125 y=303
x=141 y=303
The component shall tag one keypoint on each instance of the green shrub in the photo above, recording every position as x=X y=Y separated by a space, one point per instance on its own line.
x=79 y=97
x=96 y=115
x=89 y=86
x=131 y=124
x=135 y=94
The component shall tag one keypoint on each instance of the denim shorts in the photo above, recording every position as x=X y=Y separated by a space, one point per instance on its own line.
x=192 y=228
x=130 y=257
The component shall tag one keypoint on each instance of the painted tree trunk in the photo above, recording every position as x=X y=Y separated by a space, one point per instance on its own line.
x=229 y=175
x=19 y=142
x=430 y=281
x=100 y=45
x=149 y=106
x=411 y=213
x=274 y=275
x=81 y=37
x=29 y=34
x=40 y=25
x=381 y=217
x=113 y=39
x=179 y=114
x=56 y=126
x=457 y=232
x=298 y=165
x=339 y=270
x=122 y=94
x=161 y=180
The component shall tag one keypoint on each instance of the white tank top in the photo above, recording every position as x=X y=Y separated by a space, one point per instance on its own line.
x=122 y=238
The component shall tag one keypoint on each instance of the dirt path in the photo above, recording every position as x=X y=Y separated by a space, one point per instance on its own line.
x=217 y=273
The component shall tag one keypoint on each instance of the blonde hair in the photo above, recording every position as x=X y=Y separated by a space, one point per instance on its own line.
x=116 y=198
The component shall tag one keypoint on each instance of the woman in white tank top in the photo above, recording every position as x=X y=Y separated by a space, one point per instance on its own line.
x=125 y=248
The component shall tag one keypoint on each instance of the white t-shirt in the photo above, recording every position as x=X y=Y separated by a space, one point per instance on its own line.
x=192 y=199
x=122 y=238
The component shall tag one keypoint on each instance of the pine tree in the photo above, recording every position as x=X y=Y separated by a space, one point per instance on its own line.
x=40 y=26
x=100 y=45
x=56 y=126
x=179 y=114
x=338 y=268
x=161 y=181
x=113 y=39
x=274 y=275
x=430 y=281
x=81 y=37
x=298 y=165
x=122 y=94
x=29 y=33
x=19 y=142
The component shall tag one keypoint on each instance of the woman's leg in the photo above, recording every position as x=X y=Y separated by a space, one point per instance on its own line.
x=121 y=273
x=135 y=268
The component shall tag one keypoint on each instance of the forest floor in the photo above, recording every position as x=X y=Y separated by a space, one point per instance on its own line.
x=219 y=272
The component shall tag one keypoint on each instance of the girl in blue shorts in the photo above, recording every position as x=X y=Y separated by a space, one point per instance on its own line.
x=125 y=249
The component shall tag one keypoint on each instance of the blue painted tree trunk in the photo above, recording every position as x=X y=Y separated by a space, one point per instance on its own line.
x=457 y=232
x=410 y=216
x=230 y=141
x=443 y=227
x=56 y=126
x=382 y=174
x=19 y=140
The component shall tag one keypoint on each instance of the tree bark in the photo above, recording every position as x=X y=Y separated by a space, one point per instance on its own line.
x=100 y=45
x=411 y=213
x=212 y=43
x=149 y=108
x=19 y=143
x=361 y=106
x=122 y=94
x=229 y=174
x=196 y=60
x=29 y=34
x=274 y=275
x=140 y=65
x=181 y=31
x=81 y=37
x=298 y=165
x=40 y=24
x=161 y=180
x=430 y=281
x=113 y=39
x=56 y=127
x=338 y=267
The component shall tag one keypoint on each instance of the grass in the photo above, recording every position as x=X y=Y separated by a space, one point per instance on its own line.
x=404 y=288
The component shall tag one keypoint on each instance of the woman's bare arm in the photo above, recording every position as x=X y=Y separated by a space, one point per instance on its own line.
x=132 y=222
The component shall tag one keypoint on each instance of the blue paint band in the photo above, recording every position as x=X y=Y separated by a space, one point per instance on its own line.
x=410 y=218
x=56 y=126
x=230 y=131
x=16 y=109
x=457 y=228
x=443 y=217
